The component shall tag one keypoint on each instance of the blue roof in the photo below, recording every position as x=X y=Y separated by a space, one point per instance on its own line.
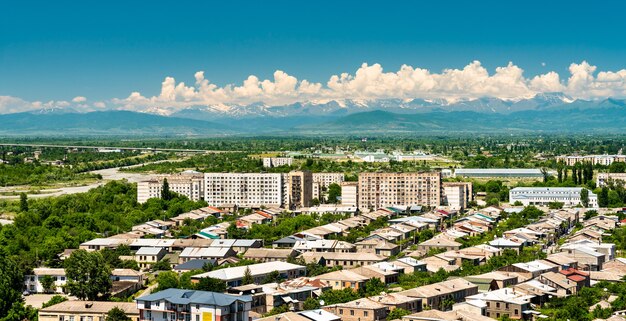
x=196 y=264
x=179 y=296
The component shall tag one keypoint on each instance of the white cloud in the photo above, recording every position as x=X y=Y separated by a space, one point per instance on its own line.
x=368 y=82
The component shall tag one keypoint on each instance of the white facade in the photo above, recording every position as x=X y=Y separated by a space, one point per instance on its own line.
x=244 y=189
x=604 y=178
x=569 y=196
x=321 y=181
x=32 y=282
x=594 y=159
x=349 y=194
x=454 y=196
x=277 y=161
x=188 y=183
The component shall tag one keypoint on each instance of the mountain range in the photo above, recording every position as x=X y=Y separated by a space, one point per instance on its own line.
x=546 y=113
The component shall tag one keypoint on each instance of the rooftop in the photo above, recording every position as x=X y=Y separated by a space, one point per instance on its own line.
x=179 y=296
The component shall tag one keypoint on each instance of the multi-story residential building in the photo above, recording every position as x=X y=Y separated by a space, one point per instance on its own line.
x=359 y=310
x=86 y=311
x=233 y=276
x=342 y=279
x=435 y=295
x=277 y=161
x=504 y=302
x=146 y=256
x=299 y=189
x=456 y=195
x=378 y=189
x=569 y=196
x=349 y=194
x=594 y=159
x=244 y=189
x=321 y=182
x=190 y=305
x=346 y=260
x=187 y=183
x=33 y=282
x=604 y=179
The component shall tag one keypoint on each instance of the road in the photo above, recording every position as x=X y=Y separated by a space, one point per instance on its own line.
x=108 y=174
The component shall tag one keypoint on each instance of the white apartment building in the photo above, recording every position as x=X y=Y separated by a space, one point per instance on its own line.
x=594 y=159
x=187 y=183
x=456 y=195
x=569 y=196
x=244 y=189
x=349 y=194
x=378 y=190
x=277 y=161
x=321 y=181
x=190 y=305
x=604 y=178
x=32 y=282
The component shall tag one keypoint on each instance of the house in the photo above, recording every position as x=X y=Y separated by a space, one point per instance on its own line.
x=438 y=243
x=394 y=301
x=269 y=255
x=86 y=310
x=529 y=270
x=33 y=282
x=288 y=242
x=504 y=302
x=205 y=253
x=579 y=277
x=342 y=279
x=377 y=246
x=165 y=244
x=240 y=246
x=310 y=315
x=127 y=275
x=103 y=243
x=588 y=258
x=436 y=315
x=324 y=246
x=563 y=285
x=491 y=281
x=194 y=265
x=410 y=265
x=345 y=260
x=608 y=249
x=146 y=256
x=436 y=262
x=505 y=244
x=249 y=220
x=359 y=310
x=435 y=295
x=562 y=260
x=233 y=276
x=387 y=272
x=178 y=304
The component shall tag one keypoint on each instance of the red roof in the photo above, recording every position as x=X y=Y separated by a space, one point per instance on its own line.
x=572 y=271
x=576 y=278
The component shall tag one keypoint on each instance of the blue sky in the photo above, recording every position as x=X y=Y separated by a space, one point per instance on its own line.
x=56 y=50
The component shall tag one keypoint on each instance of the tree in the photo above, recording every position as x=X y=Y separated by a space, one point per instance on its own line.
x=373 y=286
x=555 y=205
x=273 y=276
x=88 y=275
x=247 y=277
x=603 y=197
x=54 y=300
x=334 y=193
x=211 y=284
x=167 y=280
x=117 y=314
x=11 y=281
x=397 y=314
x=165 y=190
x=311 y=304
x=163 y=265
x=584 y=197
x=23 y=202
x=47 y=283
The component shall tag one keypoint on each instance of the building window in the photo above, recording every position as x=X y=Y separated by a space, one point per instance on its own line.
x=340 y=311
x=351 y=312
x=364 y=313
x=516 y=312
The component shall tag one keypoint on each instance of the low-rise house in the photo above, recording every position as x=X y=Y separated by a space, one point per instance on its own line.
x=482 y=250
x=491 y=281
x=146 y=256
x=504 y=302
x=346 y=260
x=104 y=243
x=563 y=261
x=608 y=249
x=194 y=265
x=438 y=243
x=310 y=315
x=342 y=279
x=240 y=246
x=560 y=282
x=542 y=292
x=33 y=282
x=324 y=246
x=436 y=262
x=254 y=218
x=179 y=304
x=388 y=273
x=529 y=270
x=233 y=276
x=436 y=315
x=588 y=258
x=86 y=310
x=410 y=265
x=127 y=275
x=505 y=244
x=377 y=246
x=359 y=310
x=165 y=244
x=205 y=253
x=270 y=255
x=288 y=242
x=579 y=277
x=437 y=295
x=398 y=301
